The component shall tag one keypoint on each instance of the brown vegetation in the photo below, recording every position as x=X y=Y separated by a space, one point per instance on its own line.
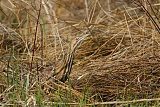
x=119 y=60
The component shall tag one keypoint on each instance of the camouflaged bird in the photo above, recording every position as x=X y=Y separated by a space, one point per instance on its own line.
x=62 y=70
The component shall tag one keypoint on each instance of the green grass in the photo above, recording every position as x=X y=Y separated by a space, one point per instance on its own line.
x=19 y=92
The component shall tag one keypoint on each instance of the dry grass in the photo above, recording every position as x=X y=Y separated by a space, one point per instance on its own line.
x=119 y=60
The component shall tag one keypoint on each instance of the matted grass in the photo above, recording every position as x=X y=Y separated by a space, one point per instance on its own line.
x=116 y=64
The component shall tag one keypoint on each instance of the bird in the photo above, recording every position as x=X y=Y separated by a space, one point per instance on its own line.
x=62 y=70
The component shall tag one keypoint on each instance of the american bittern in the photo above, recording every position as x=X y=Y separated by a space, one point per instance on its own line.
x=63 y=71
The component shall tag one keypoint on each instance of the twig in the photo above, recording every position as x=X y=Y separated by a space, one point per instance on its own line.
x=35 y=36
x=112 y=102
x=139 y=3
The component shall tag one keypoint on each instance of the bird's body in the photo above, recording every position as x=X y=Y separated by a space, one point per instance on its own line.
x=62 y=69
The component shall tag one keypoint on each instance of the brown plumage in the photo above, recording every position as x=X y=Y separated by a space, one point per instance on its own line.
x=62 y=70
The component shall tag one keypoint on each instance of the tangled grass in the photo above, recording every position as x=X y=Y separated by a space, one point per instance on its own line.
x=118 y=64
